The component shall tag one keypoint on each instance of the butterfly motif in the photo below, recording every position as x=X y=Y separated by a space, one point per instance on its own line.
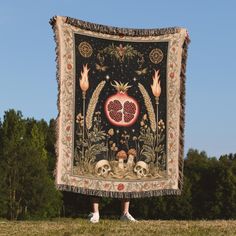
x=141 y=72
x=101 y=68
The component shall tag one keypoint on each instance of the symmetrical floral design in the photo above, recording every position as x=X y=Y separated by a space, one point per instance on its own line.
x=121 y=52
x=77 y=170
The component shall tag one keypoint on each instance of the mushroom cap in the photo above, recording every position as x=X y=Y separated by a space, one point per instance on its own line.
x=121 y=155
x=132 y=151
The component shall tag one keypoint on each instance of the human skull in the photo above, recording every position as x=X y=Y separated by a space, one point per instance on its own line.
x=141 y=169
x=102 y=168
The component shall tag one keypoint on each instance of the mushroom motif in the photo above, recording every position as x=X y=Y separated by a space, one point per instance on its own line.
x=131 y=156
x=141 y=169
x=121 y=156
x=102 y=168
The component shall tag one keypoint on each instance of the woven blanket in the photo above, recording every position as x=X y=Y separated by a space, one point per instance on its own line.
x=121 y=98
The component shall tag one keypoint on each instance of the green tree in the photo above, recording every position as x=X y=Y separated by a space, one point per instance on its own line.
x=41 y=198
x=213 y=185
x=29 y=190
x=179 y=206
x=13 y=130
x=50 y=146
x=3 y=194
x=226 y=186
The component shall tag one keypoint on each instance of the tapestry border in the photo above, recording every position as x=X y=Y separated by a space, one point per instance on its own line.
x=134 y=33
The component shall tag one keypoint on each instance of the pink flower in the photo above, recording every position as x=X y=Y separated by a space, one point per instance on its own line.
x=121 y=50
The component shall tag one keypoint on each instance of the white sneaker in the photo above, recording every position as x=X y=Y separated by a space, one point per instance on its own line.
x=94 y=217
x=127 y=217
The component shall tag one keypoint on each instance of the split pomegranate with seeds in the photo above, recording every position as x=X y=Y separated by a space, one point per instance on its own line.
x=120 y=108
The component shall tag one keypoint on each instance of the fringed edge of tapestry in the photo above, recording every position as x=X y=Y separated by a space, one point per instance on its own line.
x=135 y=33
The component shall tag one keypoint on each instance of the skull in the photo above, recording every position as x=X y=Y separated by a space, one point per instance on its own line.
x=141 y=169
x=102 y=168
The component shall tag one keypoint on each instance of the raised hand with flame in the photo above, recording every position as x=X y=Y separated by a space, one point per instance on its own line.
x=84 y=82
x=156 y=90
x=84 y=85
x=156 y=86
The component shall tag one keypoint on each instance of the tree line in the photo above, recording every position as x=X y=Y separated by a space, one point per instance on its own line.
x=27 y=190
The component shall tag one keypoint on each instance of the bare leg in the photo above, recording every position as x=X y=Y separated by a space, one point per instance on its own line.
x=94 y=216
x=95 y=204
x=125 y=215
x=125 y=205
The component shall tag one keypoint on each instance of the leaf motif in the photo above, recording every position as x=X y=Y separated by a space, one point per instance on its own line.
x=92 y=104
x=149 y=149
x=148 y=156
x=161 y=138
x=149 y=106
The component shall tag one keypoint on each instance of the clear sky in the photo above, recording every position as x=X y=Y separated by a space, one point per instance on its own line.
x=27 y=58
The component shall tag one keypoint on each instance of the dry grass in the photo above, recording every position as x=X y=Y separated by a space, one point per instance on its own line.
x=69 y=227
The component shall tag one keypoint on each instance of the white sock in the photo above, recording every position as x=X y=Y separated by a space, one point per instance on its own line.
x=96 y=215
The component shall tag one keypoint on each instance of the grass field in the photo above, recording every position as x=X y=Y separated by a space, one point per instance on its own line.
x=69 y=227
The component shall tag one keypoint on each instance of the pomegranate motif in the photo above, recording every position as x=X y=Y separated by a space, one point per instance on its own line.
x=120 y=108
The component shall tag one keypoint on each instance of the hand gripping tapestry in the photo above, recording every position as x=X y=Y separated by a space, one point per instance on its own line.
x=121 y=103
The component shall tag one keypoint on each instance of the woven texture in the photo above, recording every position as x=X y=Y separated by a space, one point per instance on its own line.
x=121 y=99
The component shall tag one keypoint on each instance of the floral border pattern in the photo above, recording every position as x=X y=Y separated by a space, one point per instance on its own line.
x=64 y=170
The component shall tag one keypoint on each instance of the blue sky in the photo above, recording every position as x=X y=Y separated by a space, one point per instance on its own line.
x=27 y=58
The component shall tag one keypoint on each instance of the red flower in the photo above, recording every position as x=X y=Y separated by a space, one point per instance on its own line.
x=172 y=75
x=69 y=66
x=120 y=187
x=68 y=128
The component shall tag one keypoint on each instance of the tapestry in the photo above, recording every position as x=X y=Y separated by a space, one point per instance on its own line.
x=121 y=99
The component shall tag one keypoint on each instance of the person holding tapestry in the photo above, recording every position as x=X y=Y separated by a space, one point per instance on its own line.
x=121 y=101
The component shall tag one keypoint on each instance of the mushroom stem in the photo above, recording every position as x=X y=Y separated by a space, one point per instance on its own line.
x=130 y=161
x=121 y=164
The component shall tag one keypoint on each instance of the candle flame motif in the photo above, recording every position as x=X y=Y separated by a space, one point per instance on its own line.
x=84 y=82
x=156 y=86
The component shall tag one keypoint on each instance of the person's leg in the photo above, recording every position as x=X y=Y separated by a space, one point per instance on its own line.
x=94 y=216
x=125 y=205
x=125 y=215
x=95 y=204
